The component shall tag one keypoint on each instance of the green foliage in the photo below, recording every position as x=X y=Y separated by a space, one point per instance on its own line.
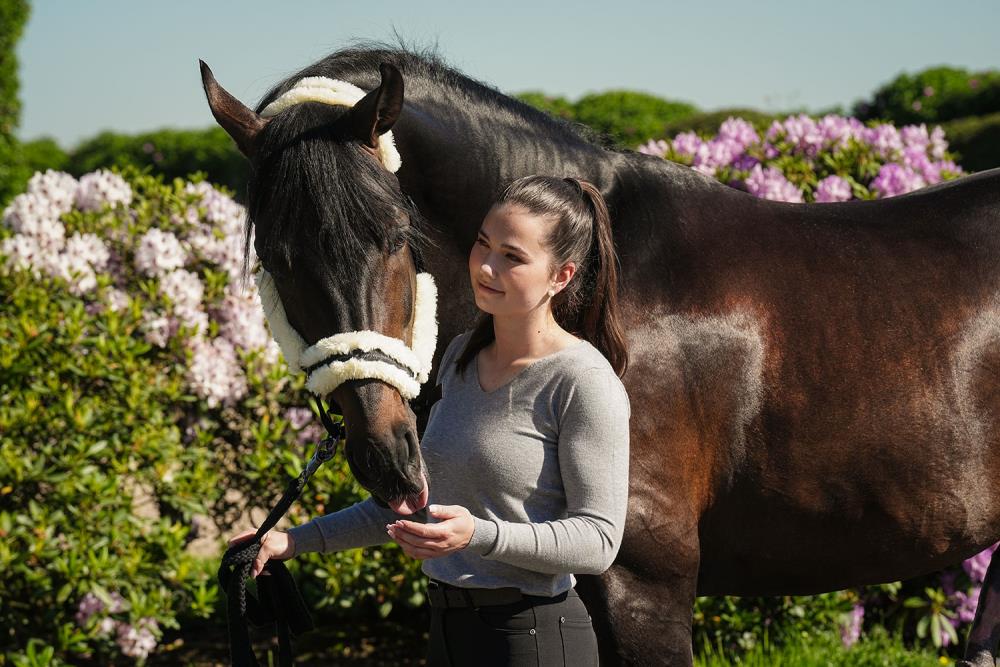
x=13 y=17
x=630 y=117
x=934 y=95
x=739 y=624
x=821 y=649
x=707 y=123
x=42 y=154
x=621 y=117
x=555 y=105
x=106 y=457
x=976 y=141
x=172 y=153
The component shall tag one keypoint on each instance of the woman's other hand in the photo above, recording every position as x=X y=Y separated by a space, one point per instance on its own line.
x=452 y=532
x=274 y=544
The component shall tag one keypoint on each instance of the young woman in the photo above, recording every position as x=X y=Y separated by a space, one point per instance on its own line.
x=526 y=452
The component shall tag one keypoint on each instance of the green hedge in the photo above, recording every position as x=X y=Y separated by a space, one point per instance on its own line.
x=624 y=117
x=976 y=140
x=933 y=95
x=172 y=153
x=13 y=17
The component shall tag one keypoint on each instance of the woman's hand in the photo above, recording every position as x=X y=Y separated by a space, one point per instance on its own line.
x=274 y=544
x=451 y=533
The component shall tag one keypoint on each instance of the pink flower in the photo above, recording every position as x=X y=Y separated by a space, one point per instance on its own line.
x=850 y=630
x=833 y=188
x=771 y=184
x=895 y=179
x=977 y=565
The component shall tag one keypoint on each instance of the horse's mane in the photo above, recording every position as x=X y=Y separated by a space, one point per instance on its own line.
x=346 y=216
x=424 y=66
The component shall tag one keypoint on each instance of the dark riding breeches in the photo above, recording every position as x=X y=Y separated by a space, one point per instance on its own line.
x=537 y=631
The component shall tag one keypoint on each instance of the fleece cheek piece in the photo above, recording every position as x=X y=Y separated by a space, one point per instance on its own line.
x=325 y=377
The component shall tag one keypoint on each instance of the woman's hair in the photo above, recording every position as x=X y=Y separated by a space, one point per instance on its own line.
x=579 y=232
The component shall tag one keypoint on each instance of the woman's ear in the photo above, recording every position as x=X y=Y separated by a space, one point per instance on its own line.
x=562 y=277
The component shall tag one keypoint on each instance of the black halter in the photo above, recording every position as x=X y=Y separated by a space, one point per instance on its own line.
x=279 y=604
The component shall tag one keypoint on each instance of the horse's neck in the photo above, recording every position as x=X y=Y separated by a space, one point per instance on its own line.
x=460 y=158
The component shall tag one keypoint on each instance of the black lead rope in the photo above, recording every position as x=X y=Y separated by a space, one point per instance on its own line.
x=279 y=604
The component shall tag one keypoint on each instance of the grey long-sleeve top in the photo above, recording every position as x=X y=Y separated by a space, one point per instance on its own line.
x=541 y=463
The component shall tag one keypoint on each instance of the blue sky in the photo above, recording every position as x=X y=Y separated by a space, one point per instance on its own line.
x=132 y=66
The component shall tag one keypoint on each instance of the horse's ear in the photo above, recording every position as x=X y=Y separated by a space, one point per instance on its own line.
x=241 y=123
x=378 y=111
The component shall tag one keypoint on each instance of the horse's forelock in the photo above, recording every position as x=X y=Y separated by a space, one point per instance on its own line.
x=313 y=184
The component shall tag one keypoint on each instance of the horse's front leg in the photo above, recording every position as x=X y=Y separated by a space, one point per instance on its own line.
x=985 y=633
x=641 y=606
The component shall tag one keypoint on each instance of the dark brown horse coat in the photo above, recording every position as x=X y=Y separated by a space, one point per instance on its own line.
x=814 y=386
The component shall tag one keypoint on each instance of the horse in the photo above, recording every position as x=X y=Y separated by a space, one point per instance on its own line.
x=814 y=387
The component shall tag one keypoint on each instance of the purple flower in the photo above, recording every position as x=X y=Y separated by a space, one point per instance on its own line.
x=850 y=630
x=739 y=133
x=884 y=139
x=137 y=641
x=966 y=603
x=977 y=565
x=895 y=179
x=655 y=147
x=771 y=184
x=833 y=188
x=686 y=143
x=937 y=143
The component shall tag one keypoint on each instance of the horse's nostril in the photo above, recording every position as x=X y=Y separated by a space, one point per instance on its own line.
x=412 y=446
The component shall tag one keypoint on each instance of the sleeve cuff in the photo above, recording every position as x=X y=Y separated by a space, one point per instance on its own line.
x=307 y=538
x=484 y=537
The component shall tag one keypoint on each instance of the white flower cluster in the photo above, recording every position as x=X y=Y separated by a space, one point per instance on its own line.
x=40 y=243
x=136 y=641
x=101 y=188
x=215 y=371
x=159 y=252
x=220 y=239
x=208 y=233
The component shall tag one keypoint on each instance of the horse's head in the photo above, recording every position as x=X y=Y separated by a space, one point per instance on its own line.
x=337 y=242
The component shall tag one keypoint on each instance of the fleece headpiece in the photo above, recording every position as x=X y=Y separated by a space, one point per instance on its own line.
x=333 y=360
x=340 y=93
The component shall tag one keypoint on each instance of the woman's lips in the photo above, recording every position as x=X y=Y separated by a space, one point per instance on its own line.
x=489 y=290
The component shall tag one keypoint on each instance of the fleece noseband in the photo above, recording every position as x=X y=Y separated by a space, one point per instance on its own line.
x=352 y=355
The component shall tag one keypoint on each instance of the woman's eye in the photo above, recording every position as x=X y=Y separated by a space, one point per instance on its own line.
x=514 y=258
x=481 y=242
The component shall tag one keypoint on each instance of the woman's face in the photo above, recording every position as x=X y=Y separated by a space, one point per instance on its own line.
x=509 y=269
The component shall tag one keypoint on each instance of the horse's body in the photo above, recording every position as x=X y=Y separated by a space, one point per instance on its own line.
x=814 y=388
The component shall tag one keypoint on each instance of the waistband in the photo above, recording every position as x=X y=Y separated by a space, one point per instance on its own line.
x=446 y=596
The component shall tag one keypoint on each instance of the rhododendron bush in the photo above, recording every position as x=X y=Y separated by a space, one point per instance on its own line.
x=802 y=159
x=143 y=409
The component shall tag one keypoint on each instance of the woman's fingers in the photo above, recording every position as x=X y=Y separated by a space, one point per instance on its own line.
x=242 y=537
x=404 y=537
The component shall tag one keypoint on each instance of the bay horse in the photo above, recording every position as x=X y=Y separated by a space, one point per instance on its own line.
x=814 y=387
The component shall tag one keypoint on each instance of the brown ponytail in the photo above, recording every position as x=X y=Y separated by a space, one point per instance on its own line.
x=581 y=233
